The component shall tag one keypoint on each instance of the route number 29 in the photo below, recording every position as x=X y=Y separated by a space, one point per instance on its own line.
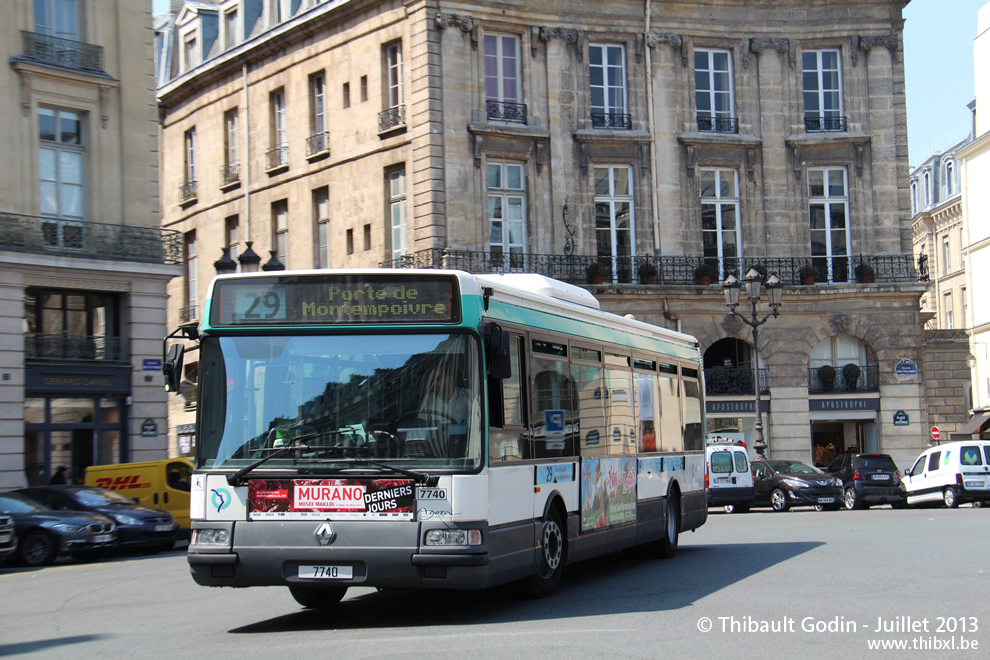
x=267 y=305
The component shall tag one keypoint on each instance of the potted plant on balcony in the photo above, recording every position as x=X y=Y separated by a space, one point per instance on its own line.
x=597 y=272
x=647 y=272
x=703 y=274
x=864 y=273
x=808 y=274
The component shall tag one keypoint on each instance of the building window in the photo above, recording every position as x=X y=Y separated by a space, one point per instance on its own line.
x=189 y=187
x=614 y=219
x=68 y=324
x=928 y=189
x=350 y=241
x=506 y=215
x=822 y=91
x=946 y=256
x=720 y=231
x=947 y=310
x=57 y=18
x=367 y=237
x=232 y=232
x=321 y=225
x=393 y=114
x=829 y=222
x=364 y=88
x=502 y=93
x=965 y=309
x=230 y=28
x=949 y=183
x=914 y=196
x=317 y=142
x=231 y=162
x=278 y=155
x=607 y=72
x=396 y=179
x=345 y=93
x=713 y=91
x=280 y=230
x=189 y=53
x=275 y=14
x=192 y=270
x=62 y=163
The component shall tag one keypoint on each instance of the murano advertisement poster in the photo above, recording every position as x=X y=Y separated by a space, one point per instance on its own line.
x=608 y=491
x=331 y=499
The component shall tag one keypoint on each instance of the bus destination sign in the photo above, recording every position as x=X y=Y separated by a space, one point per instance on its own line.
x=324 y=299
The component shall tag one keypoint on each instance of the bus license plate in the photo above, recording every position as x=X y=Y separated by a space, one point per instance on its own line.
x=102 y=538
x=326 y=572
x=826 y=500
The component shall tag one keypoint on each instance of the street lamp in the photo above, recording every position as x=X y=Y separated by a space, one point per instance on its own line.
x=754 y=282
x=249 y=259
x=225 y=265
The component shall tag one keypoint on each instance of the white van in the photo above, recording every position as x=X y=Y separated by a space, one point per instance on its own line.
x=953 y=473
x=728 y=479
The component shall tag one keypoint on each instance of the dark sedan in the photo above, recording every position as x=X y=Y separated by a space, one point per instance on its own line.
x=783 y=484
x=869 y=479
x=138 y=526
x=45 y=534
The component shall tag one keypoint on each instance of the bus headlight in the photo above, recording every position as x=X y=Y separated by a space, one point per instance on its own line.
x=214 y=537
x=462 y=537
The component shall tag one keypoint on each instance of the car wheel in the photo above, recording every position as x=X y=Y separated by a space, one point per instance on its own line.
x=317 y=598
x=778 y=500
x=553 y=547
x=949 y=497
x=826 y=507
x=852 y=502
x=38 y=549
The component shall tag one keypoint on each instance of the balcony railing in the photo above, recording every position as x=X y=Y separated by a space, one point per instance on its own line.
x=230 y=174
x=707 y=123
x=61 y=52
x=79 y=348
x=187 y=191
x=318 y=143
x=664 y=271
x=819 y=124
x=506 y=111
x=734 y=381
x=92 y=240
x=278 y=157
x=391 y=118
x=847 y=378
x=611 y=120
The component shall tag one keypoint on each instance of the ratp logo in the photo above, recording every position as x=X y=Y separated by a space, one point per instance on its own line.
x=220 y=498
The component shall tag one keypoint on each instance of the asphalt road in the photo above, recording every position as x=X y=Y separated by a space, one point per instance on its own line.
x=758 y=585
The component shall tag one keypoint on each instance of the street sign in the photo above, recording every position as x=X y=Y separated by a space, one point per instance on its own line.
x=936 y=433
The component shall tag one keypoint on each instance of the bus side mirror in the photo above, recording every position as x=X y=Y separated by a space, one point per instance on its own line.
x=172 y=367
x=499 y=362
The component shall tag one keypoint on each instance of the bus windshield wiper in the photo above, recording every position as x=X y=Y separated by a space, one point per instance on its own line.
x=418 y=477
x=236 y=478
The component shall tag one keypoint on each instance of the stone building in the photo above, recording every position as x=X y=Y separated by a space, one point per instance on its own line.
x=658 y=146
x=83 y=260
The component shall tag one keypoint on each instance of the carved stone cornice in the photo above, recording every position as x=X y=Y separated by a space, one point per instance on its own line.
x=569 y=36
x=675 y=41
x=867 y=43
x=467 y=24
x=779 y=44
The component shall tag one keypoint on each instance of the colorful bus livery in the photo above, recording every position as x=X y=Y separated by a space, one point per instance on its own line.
x=433 y=429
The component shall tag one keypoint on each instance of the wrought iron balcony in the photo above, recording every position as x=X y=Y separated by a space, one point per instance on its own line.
x=506 y=111
x=734 y=381
x=847 y=378
x=611 y=120
x=65 y=53
x=708 y=123
x=187 y=191
x=820 y=124
x=76 y=348
x=91 y=240
x=663 y=271
x=318 y=143
x=278 y=157
x=391 y=118
x=230 y=174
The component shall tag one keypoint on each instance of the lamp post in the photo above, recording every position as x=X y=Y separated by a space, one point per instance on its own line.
x=754 y=283
x=250 y=261
x=225 y=265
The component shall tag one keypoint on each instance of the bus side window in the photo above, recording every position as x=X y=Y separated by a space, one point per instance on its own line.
x=508 y=436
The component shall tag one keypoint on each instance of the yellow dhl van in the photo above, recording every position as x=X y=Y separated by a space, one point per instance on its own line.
x=161 y=484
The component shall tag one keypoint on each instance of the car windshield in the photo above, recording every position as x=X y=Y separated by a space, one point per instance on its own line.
x=11 y=503
x=875 y=462
x=410 y=400
x=793 y=467
x=100 y=497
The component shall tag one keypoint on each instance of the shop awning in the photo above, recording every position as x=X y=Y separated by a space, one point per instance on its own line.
x=975 y=423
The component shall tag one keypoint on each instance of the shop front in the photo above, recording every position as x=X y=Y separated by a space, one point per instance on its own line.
x=74 y=417
x=843 y=426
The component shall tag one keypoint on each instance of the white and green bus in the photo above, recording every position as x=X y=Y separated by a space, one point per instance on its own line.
x=432 y=429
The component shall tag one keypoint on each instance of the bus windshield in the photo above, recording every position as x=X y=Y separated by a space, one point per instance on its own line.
x=411 y=399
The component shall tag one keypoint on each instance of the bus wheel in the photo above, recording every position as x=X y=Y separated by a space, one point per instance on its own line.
x=317 y=598
x=552 y=548
x=666 y=547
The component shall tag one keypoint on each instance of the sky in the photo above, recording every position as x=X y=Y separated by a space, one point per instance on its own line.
x=938 y=62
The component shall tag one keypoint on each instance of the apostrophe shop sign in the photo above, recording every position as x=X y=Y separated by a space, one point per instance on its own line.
x=901 y=418
x=839 y=405
x=149 y=429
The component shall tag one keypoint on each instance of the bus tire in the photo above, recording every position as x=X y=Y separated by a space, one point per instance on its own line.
x=666 y=547
x=317 y=598
x=553 y=551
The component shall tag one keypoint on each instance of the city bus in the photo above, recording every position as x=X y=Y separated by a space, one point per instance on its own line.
x=402 y=428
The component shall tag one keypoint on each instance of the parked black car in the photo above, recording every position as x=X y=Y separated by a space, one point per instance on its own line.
x=45 y=534
x=8 y=537
x=783 y=484
x=869 y=479
x=138 y=526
